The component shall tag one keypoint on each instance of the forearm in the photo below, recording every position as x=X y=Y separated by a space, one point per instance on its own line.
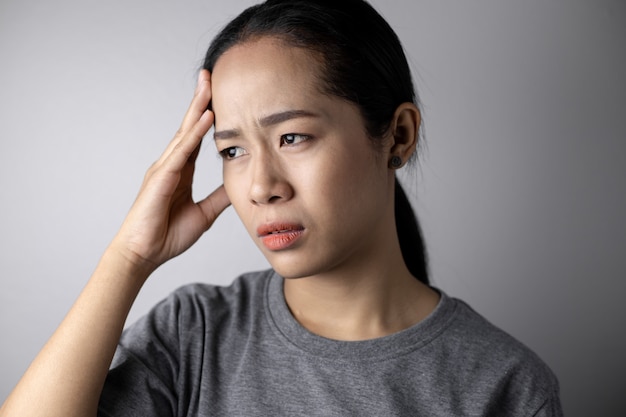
x=66 y=377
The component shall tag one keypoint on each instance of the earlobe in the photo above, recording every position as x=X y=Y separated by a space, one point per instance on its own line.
x=395 y=162
x=404 y=134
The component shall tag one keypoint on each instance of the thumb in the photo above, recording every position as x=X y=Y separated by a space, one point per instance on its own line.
x=213 y=205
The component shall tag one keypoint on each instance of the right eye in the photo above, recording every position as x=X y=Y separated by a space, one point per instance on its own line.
x=232 y=152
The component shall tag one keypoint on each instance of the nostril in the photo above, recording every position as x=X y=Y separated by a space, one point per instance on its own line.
x=269 y=184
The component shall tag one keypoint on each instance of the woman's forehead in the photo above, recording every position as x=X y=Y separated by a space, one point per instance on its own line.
x=269 y=58
x=265 y=76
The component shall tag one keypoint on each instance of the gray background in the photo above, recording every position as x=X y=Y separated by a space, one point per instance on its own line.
x=520 y=187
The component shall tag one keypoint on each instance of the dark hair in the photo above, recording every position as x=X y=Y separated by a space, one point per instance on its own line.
x=362 y=62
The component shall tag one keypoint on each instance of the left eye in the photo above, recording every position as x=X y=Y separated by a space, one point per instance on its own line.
x=293 y=138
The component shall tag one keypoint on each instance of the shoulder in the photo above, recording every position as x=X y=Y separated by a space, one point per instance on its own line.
x=495 y=361
x=245 y=290
x=244 y=285
x=476 y=335
x=202 y=305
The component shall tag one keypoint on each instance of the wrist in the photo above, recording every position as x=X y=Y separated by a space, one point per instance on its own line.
x=127 y=264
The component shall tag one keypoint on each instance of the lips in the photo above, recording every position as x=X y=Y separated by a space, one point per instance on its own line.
x=279 y=236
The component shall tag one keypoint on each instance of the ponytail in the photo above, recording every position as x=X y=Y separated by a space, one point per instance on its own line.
x=410 y=236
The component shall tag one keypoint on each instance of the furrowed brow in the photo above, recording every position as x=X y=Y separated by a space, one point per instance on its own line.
x=272 y=119
x=280 y=117
x=225 y=134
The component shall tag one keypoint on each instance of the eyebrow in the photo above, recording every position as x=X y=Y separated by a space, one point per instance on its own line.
x=266 y=121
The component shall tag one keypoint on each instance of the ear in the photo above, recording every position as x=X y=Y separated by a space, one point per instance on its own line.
x=404 y=131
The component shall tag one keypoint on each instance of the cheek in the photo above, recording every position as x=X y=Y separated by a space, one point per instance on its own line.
x=234 y=187
x=343 y=181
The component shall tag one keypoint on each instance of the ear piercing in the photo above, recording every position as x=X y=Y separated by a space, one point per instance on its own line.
x=395 y=162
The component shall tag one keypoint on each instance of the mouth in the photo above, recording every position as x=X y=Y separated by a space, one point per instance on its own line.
x=279 y=236
x=277 y=228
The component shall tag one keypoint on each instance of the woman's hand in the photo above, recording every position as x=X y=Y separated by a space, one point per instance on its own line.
x=164 y=221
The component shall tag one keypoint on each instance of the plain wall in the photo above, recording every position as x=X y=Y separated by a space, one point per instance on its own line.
x=520 y=187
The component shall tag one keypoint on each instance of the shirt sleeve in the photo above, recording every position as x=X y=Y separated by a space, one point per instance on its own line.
x=142 y=376
x=551 y=408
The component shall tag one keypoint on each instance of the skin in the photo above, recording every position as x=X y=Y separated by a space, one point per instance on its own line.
x=346 y=279
x=66 y=377
x=318 y=169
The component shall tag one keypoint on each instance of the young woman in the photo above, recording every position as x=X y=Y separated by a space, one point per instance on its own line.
x=314 y=111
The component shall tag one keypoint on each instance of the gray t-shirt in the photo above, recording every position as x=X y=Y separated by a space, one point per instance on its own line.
x=238 y=351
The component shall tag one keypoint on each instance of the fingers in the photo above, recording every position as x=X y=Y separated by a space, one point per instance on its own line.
x=214 y=204
x=200 y=101
x=187 y=148
x=165 y=221
x=197 y=109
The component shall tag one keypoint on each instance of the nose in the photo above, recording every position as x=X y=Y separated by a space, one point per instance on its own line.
x=269 y=182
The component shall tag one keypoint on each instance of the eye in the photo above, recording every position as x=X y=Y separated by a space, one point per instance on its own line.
x=232 y=152
x=293 y=138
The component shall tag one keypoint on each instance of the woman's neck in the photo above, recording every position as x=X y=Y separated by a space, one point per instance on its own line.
x=360 y=303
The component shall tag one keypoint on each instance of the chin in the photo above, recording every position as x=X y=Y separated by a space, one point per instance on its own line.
x=298 y=262
x=291 y=271
x=290 y=267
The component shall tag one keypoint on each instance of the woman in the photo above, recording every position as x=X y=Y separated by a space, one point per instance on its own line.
x=314 y=111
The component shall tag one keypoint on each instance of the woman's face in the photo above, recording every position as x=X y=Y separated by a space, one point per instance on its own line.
x=299 y=169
